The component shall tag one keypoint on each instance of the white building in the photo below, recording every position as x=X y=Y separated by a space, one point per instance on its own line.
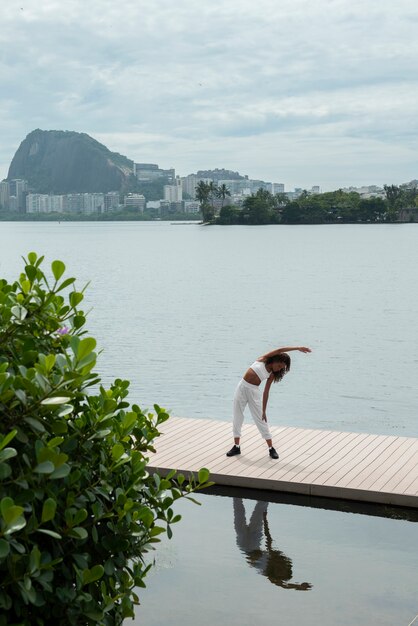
x=111 y=201
x=4 y=194
x=69 y=203
x=149 y=172
x=275 y=188
x=44 y=203
x=191 y=206
x=173 y=193
x=19 y=188
x=135 y=201
x=189 y=184
x=93 y=202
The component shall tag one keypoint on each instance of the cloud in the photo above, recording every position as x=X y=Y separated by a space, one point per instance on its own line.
x=209 y=84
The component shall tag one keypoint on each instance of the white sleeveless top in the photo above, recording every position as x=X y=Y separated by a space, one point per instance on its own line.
x=260 y=369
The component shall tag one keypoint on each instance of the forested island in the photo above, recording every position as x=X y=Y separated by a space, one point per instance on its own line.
x=400 y=204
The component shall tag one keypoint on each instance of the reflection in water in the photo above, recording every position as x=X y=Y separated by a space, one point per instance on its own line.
x=273 y=564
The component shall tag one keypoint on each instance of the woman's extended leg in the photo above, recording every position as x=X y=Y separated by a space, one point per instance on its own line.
x=240 y=402
x=255 y=400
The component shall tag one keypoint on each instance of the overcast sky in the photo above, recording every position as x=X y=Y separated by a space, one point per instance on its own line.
x=304 y=92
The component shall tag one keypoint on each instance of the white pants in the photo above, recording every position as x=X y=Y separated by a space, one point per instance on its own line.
x=249 y=394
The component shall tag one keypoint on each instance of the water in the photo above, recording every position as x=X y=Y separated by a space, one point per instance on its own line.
x=296 y=566
x=181 y=311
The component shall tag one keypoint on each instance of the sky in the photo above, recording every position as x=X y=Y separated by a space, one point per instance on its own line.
x=300 y=92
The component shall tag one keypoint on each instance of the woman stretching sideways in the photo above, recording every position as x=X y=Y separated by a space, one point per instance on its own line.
x=270 y=367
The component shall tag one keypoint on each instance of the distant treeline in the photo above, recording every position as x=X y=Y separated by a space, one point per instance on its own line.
x=326 y=208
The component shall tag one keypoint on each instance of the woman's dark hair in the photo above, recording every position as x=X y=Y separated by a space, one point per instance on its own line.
x=283 y=357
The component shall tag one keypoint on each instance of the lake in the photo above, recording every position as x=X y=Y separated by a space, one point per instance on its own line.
x=181 y=310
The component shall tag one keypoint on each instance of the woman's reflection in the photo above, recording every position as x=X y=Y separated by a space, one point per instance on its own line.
x=273 y=564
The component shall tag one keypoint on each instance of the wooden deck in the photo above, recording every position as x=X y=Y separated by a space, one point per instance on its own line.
x=327 y=463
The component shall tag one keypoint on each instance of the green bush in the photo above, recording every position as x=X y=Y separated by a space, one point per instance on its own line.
x=78 y=509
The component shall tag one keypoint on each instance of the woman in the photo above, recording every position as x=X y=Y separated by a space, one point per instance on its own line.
x=270 y=367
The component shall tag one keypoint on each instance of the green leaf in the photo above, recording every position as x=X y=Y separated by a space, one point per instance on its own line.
x=58 y=269
x=55 y=441
x=51 y=533
x=203 y=475
x=55 y=400
x=5 y=470
x=7 y=453
x=19 y=312
x=21 y=395
x=4 y=548
x=36 y=424
x=93 y=574
x=48 y=510
x=180 y=479
x=78 y=532
x=79 y=321
x=85 y=347
x=7 y=439
x=49 y=362
x=65 y=283
x=44 y=468
x=117 y=451
x=80 y=516
x=32 y=256
x=25 y=284
x=61 y=472
x=66 y=409
x=12 y=515
x=9 y=510
x=59 y=427
x=75 y=298
x=34 y=560
x=31 y=272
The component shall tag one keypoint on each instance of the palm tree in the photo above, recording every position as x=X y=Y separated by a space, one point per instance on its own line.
x=213 y=191
x=222 y=192
x=203 y=193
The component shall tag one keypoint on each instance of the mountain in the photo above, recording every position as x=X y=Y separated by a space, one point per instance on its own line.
x=56 y=161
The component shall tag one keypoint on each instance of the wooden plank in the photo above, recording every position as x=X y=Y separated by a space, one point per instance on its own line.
x=335 y=460
x=390 y=465
x=305 y=458
x=355 y=466
x=360 y=462
x=401 y=480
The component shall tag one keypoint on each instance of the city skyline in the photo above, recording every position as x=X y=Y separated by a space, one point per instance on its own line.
x=296 y=92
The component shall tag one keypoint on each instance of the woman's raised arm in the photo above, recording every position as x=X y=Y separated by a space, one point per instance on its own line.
x=281 y=350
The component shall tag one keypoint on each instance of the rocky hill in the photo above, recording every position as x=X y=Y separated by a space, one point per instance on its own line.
x=220 y=174
x=55 y=161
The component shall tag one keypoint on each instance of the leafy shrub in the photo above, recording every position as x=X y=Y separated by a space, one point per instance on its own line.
x=77 y=506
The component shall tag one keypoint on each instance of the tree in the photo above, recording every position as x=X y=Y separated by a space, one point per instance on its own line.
x=223 y=192
x=213 y=192
x=292 y=213
x=257 y=208
x=77 y=506
x=394 y=201
x=203 y=192
x=371 y=210
x=229 y=215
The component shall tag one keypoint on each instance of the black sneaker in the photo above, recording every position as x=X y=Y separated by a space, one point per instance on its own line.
x=233 y=451
x=273 y=453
